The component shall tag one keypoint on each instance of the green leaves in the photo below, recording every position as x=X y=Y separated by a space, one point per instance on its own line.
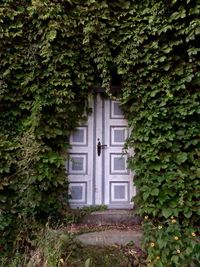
x=181 y=157
x=167 y=212
x=51 y=35
x=52 y=53
x=87 y=262
x=161 y=92
x=155 y=192
x=168 y=240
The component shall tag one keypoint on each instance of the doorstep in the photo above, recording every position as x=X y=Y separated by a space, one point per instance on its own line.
x=112 y=217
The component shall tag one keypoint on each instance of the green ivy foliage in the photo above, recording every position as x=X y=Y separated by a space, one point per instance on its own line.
x=160 y=65
x=44 y=72
x=51 y=53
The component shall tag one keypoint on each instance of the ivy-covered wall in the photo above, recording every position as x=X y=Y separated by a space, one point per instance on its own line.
x=45 y=74
x=52 y=53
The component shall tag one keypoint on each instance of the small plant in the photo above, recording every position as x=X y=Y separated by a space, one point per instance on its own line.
x=88 y=262
x=168 y=243
x=76 y=215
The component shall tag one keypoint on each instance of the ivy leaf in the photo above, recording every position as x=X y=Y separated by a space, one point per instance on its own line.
x=166 y=67
x=175 y=259
x=198 y=172
x=87 y=262
x=167 y=212
x=51 y=35
x=155 y=192
x=188 y=214
x=159 y=264
x=162 y=243
x=181 y=157
x=145 y=195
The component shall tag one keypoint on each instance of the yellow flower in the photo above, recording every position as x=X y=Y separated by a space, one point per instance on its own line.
x=146 y=217
x=152 y=244
x=178 y=251
x=173 y=221
x=172 y=217
x=157 y=258
x=176 y=238
x=193 y=234
x=160 y=227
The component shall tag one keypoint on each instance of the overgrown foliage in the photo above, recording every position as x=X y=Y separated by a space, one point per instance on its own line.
x=51 y=54
x=59 y=248
x=42 y=101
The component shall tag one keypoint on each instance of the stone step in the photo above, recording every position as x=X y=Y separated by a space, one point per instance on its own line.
x=112 y=217
x=111 y=237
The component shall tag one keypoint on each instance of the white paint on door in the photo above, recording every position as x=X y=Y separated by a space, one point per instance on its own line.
x=101 y=179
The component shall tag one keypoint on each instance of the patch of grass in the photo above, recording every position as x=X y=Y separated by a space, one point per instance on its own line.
x=99 y=257
x=58 y=248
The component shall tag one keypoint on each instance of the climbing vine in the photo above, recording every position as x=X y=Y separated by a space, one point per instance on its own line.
x=44 y=73
x=52 y=53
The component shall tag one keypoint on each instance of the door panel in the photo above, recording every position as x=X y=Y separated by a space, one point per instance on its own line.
x=79 y=167
x=118 y=179
x=99 y=175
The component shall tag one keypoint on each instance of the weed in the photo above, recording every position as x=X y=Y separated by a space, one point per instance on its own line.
x=58 y=248
x=76 y=215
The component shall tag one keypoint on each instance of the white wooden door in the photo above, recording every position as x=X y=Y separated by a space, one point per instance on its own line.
x=97 y=167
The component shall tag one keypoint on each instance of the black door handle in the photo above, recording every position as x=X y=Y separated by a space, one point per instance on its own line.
x=99 y=147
